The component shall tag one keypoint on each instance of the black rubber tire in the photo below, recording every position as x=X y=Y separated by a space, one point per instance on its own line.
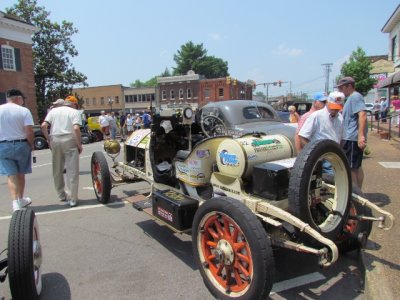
x=349 y=241
x=300 y=180
x=99 y=135
x=102 y=185
x=24 y=263
x=40 y=143
x=254 y=235
x=85 y=138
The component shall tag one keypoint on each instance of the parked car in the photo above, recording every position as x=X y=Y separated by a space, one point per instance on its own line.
x=370 y=107
x=94 y=126
x=244 y=116
x=40 y=141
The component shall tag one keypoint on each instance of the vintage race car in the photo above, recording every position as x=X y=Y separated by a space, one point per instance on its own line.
x=241 y=192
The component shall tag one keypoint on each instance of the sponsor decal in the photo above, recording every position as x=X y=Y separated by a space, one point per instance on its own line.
x=226 y=189
x=164 y=214
x=194 y=164
x=203 y=153
x=174 y=195
x=182 y=168
x=252 y=157
x=228 y=159
x=198 y=176
x=257 y=143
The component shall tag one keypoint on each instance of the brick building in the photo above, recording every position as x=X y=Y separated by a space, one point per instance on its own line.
x=182 y=88
x=16 y=60
x=220 y=89
x=139 y=99
x=98 y=98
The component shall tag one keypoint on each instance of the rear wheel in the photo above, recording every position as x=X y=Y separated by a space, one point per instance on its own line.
x=232 y=250
x=85 y=138
x=24 y=256
x=99 y=135
x=325 y=210
x=101 y=177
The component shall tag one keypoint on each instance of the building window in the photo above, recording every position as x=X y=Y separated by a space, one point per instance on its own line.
x=180 y=93
x=394 y=49
x=221 y=92
x=207 y=93
x=127 y=98
x=189 y=93
x=94 y=101
x=153 y=96
x=87 y=101
x=102 y=101
x=163 y=95
x=116 y=99
x=134 y=98
x=8 y=58
x=172 y=94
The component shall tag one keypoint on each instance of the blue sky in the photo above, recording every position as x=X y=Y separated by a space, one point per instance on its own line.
x=120 y=41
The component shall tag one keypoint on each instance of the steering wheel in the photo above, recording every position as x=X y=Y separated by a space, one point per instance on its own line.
x=212 y=126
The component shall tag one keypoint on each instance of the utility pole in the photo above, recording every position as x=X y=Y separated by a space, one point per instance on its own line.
x=327 y=71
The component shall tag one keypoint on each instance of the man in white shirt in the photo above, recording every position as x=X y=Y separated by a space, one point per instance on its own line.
x=16 y=145
x=326 y=123
x=104 y=124
x=65 y=144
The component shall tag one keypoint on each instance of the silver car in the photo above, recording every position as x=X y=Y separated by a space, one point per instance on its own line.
x=239 y=117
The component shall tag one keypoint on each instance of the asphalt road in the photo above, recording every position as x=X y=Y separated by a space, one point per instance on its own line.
x=115 y=252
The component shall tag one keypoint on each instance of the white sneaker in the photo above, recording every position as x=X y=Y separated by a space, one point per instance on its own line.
x=21 y=203
x=72 y=203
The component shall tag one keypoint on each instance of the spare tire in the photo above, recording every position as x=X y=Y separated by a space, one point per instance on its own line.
x=309 y=200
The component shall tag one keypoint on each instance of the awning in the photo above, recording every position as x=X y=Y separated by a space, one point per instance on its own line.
x=392 y=80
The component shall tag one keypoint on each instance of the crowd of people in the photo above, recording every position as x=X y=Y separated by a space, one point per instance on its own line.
x=126 y=124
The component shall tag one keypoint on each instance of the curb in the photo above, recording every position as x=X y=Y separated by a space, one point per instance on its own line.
x=375 y=285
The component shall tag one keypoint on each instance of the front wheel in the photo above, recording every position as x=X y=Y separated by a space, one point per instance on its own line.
x=101 y=177
x=24 y=256
x=40 y=143
x=232 y=250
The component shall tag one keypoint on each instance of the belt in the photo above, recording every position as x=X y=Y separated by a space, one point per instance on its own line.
x=15 y=141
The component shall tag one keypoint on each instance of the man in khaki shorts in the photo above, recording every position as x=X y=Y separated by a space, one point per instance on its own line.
x=65 y=144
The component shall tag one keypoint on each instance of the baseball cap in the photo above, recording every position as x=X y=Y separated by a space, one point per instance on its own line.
x=320 y=96
x=14 y=93
x=59 y=102
x=345 y=80
x=72 y=99
x=336 y=100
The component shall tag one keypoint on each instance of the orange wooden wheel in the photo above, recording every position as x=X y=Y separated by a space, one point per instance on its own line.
x=226 y=253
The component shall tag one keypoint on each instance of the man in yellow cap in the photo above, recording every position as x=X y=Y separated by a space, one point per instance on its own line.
x=65 y=144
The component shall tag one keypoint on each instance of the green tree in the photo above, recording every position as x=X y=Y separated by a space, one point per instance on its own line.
x=194 y=57
x=52 y=50
x=359 y=66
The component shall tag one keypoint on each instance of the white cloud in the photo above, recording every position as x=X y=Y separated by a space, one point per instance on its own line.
x=215 y=36
x=284 y=50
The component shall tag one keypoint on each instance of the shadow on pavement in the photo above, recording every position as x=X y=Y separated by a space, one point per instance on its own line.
x=378 y=198
x=181 y=249
x=55 y=286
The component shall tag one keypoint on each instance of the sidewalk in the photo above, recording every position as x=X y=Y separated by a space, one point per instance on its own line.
x=381 y=257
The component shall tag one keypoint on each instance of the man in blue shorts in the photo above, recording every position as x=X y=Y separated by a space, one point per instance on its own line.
x=16 y=145
x=354 y=129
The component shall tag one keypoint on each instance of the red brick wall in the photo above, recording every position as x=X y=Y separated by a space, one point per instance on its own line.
x=22 y=80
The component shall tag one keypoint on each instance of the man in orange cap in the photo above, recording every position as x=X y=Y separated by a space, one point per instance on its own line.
x=326 y=123
x=65 y=144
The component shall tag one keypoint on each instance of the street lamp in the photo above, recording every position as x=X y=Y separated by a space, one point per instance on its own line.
x=110 y=102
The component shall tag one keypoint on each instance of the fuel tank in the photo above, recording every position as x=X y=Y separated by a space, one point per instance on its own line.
x=237 y=157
